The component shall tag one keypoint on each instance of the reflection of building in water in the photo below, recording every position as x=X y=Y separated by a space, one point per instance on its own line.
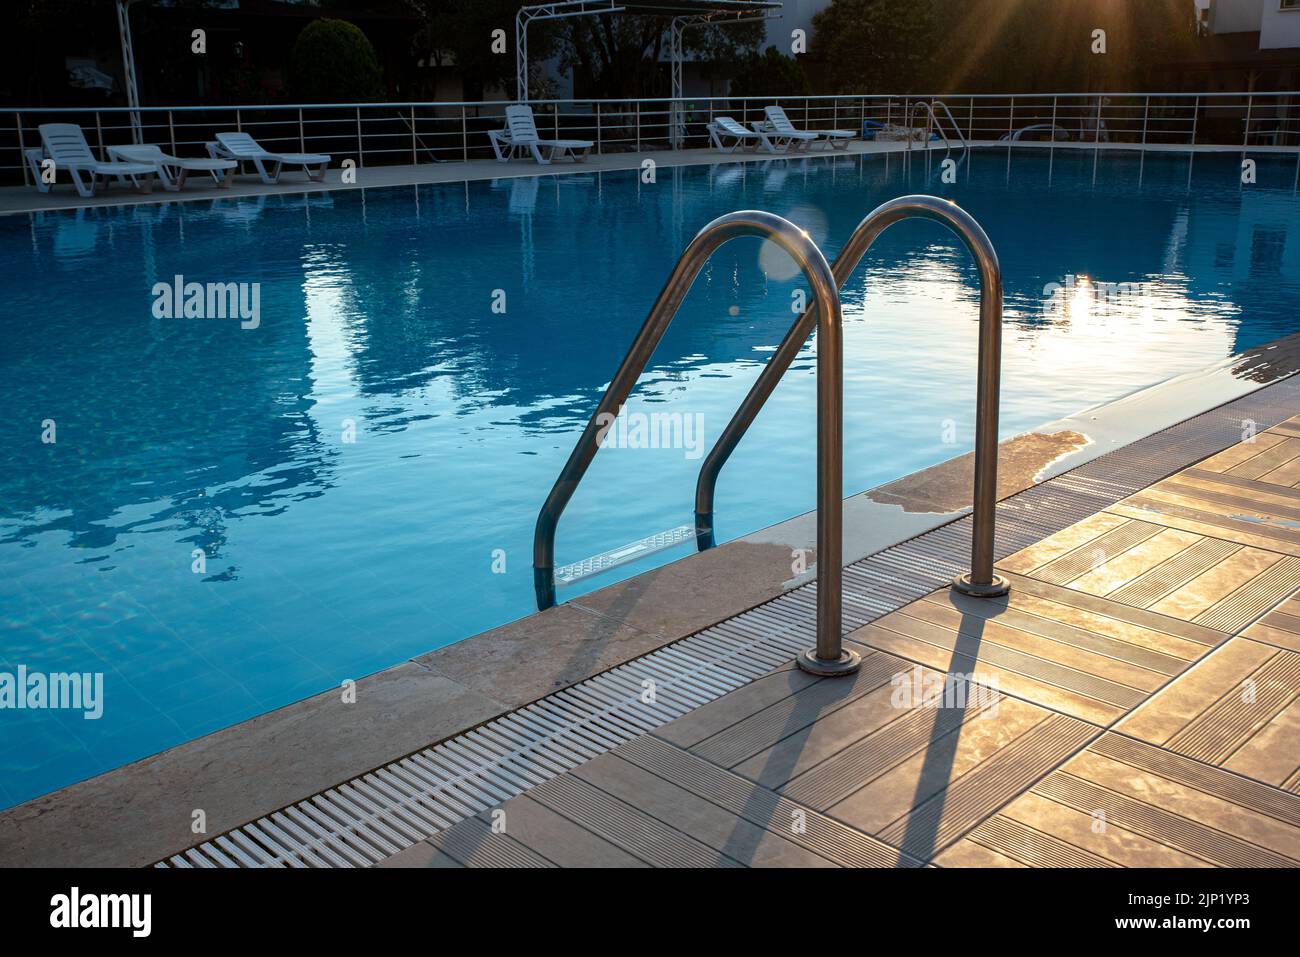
x=1241 y=248
x=244 y=391
x=1241 y=240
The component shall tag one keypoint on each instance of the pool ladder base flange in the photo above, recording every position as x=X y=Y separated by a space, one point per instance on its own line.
x=996 y=588
x=847 y=663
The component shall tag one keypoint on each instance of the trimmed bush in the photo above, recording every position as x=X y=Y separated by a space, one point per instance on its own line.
x=332 y=61
x=770 y=73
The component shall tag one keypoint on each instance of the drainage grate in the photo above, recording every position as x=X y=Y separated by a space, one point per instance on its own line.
x=375 y=815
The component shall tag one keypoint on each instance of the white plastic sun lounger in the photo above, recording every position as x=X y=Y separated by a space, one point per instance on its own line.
x=173 y=170
x=787 y=138
x=834 y=139
x=521 y=134
x=724 y=128
x=1058 y=132
x=66 y=145
x=244 y=149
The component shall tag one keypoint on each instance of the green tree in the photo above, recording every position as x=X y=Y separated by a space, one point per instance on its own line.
x=624 y=56
x=1049 y=45
x=459 y=33
x=333 y=61
x=937 y=46
x=770 y=73
x=878 y=46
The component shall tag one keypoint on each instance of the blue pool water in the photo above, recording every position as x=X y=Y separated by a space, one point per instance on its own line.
x=329 y=559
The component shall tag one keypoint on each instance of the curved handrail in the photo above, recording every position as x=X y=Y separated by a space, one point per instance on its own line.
x=981 y=580
x=929 y=106
x=1032 y=128
x=828 y=657
x=934 y=122
x=956 y=127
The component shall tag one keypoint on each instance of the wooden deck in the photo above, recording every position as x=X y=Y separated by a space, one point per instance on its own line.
x=1133 y=702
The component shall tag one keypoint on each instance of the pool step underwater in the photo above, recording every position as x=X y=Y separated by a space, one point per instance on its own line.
x=371 y=817
x=661 y=541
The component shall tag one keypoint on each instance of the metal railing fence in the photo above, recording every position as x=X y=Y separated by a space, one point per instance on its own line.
x=375 y=134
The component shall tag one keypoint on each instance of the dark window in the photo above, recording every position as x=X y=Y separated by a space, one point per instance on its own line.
x=1266 y=249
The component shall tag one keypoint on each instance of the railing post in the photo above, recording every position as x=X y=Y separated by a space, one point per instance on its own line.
x=1250 y=109
x=99 y=134
x=1196 y=118
x=970 y=122
x=414 y=156
x=599 y=144
x=982 y=581
x=171 y=131
x=22 y=148
x=1146 y=116
x=464 y=134
x=638 y=126
x=361 y=157
x=302 y=133
x=1011 y=120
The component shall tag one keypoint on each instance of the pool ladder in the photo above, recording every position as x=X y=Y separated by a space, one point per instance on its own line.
x=929 y=107
x=829 y=657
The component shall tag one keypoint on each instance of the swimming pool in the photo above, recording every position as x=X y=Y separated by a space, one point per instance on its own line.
x=359 y=470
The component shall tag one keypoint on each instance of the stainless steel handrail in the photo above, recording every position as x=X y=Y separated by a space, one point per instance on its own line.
x=961 y=138
x=929 y=106
x=934 y=123
x=981 y=579
x=828 y=657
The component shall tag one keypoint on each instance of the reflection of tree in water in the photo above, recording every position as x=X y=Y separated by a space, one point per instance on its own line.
x=580 y=258
x=573 y=302
x=147 y=409
x=421 y=313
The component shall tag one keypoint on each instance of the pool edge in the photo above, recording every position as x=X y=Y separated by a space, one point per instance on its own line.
x=141 y=812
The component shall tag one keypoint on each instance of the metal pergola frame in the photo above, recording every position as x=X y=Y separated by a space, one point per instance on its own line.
x=128 y=65
x=685 y=13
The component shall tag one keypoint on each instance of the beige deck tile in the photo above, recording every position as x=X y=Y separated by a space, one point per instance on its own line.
x=1206 y=589
x=1064 y=541
x=1052 y=822
x=1267 y=460
x=1272 y=754
x=1119 y=571
x=1185 y=699
x=1235 y=455
x=1265 y=834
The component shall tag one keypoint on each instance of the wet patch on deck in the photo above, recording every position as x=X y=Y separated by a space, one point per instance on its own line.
x=946 y=487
